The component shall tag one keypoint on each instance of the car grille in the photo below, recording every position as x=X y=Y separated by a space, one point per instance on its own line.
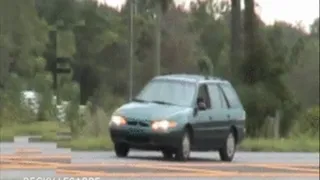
x=137 y=122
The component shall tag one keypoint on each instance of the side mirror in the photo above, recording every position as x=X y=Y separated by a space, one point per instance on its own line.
x=195 y=112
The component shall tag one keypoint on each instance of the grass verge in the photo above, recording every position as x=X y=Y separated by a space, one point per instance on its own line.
x=281 y=145
x=88 y=144
x=47 y=129
x=251 y=145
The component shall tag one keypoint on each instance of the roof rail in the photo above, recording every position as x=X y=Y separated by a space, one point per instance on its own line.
x=213 y=78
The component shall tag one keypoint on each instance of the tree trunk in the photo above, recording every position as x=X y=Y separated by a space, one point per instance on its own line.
x=250 y=35
x=249 y=22
x=236 y=32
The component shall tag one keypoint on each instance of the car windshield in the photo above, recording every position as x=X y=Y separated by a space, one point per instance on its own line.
x=168 y=92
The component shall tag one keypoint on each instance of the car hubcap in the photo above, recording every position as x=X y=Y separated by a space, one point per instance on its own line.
x=185 y=146
x=230 y=145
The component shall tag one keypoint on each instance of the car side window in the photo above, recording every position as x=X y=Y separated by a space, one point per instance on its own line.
x=223 y=99
x=215 y=96
x=231 y=96
x=204 y=95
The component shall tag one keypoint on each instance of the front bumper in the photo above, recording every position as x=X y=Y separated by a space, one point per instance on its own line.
x=145 y=138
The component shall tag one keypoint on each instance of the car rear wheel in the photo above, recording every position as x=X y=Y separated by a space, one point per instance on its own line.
x=121 y=150
x=183 y=151
x=228 y=150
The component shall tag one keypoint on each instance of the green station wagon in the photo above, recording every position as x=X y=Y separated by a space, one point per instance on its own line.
x=180 y=113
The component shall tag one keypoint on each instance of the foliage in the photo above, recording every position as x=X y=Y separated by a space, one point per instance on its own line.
x=315 y=28
x=73 y=117
x=308 y=123
x=12 y=110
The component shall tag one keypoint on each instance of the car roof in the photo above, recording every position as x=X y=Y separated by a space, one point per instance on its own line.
x=191 y=78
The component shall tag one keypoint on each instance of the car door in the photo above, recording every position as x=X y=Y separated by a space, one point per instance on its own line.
x=218 y=115
x=201 y=123
x=235 y=109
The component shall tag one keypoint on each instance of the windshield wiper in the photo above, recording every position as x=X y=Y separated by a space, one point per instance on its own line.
x=162 y=102
x=138 y=100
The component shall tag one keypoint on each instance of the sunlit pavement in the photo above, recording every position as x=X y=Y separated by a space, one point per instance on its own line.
x=23 y=159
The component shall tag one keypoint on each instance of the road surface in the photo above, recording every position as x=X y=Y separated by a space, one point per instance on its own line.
x=22 y=159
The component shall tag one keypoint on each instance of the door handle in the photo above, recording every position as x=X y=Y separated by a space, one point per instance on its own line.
x=228 y=116
x=210 y=118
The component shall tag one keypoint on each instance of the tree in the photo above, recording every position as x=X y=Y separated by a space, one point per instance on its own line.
x=236 y=34
x=250 y=31
x=161 y=6
x=208 y=19
x=21 y=40
x=23 y=36
x=206 y=39
x=315 y=28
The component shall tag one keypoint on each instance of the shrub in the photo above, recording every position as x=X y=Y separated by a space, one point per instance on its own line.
x=12 y=110
x=259 y=103
x=308 y=123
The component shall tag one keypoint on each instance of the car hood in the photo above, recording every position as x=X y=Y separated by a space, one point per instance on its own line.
x=149 y=111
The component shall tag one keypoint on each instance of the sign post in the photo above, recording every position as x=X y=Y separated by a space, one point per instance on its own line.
x=60 y=68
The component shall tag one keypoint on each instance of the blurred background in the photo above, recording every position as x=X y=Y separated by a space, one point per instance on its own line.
x=112 y=51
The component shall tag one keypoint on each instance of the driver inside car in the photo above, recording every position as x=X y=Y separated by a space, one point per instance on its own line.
x=201 y=103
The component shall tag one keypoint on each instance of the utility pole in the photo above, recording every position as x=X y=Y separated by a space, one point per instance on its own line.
x=61 y=65
x=132 y=3
x=58 y=61
x=158 y=38
x=53 y=38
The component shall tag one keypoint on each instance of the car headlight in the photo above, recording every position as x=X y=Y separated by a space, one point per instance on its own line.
x=163 y=125
x=117 y=120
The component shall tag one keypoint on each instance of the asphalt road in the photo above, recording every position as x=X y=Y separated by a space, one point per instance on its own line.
x=23 y=159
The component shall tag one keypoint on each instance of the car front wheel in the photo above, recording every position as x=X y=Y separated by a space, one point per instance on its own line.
x=121 y=150
x=228 y=150
x=183 y=151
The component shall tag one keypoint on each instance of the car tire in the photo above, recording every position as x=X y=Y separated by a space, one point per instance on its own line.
x=229 y=148
x=183 y=151
x=121 y=150
x=167 y=154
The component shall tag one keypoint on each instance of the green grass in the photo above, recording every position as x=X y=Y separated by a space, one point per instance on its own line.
x=88 y=144
x=46 y=129
x=281 y=145
x=267 y=145
x=49 y=136
x=6 y=136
